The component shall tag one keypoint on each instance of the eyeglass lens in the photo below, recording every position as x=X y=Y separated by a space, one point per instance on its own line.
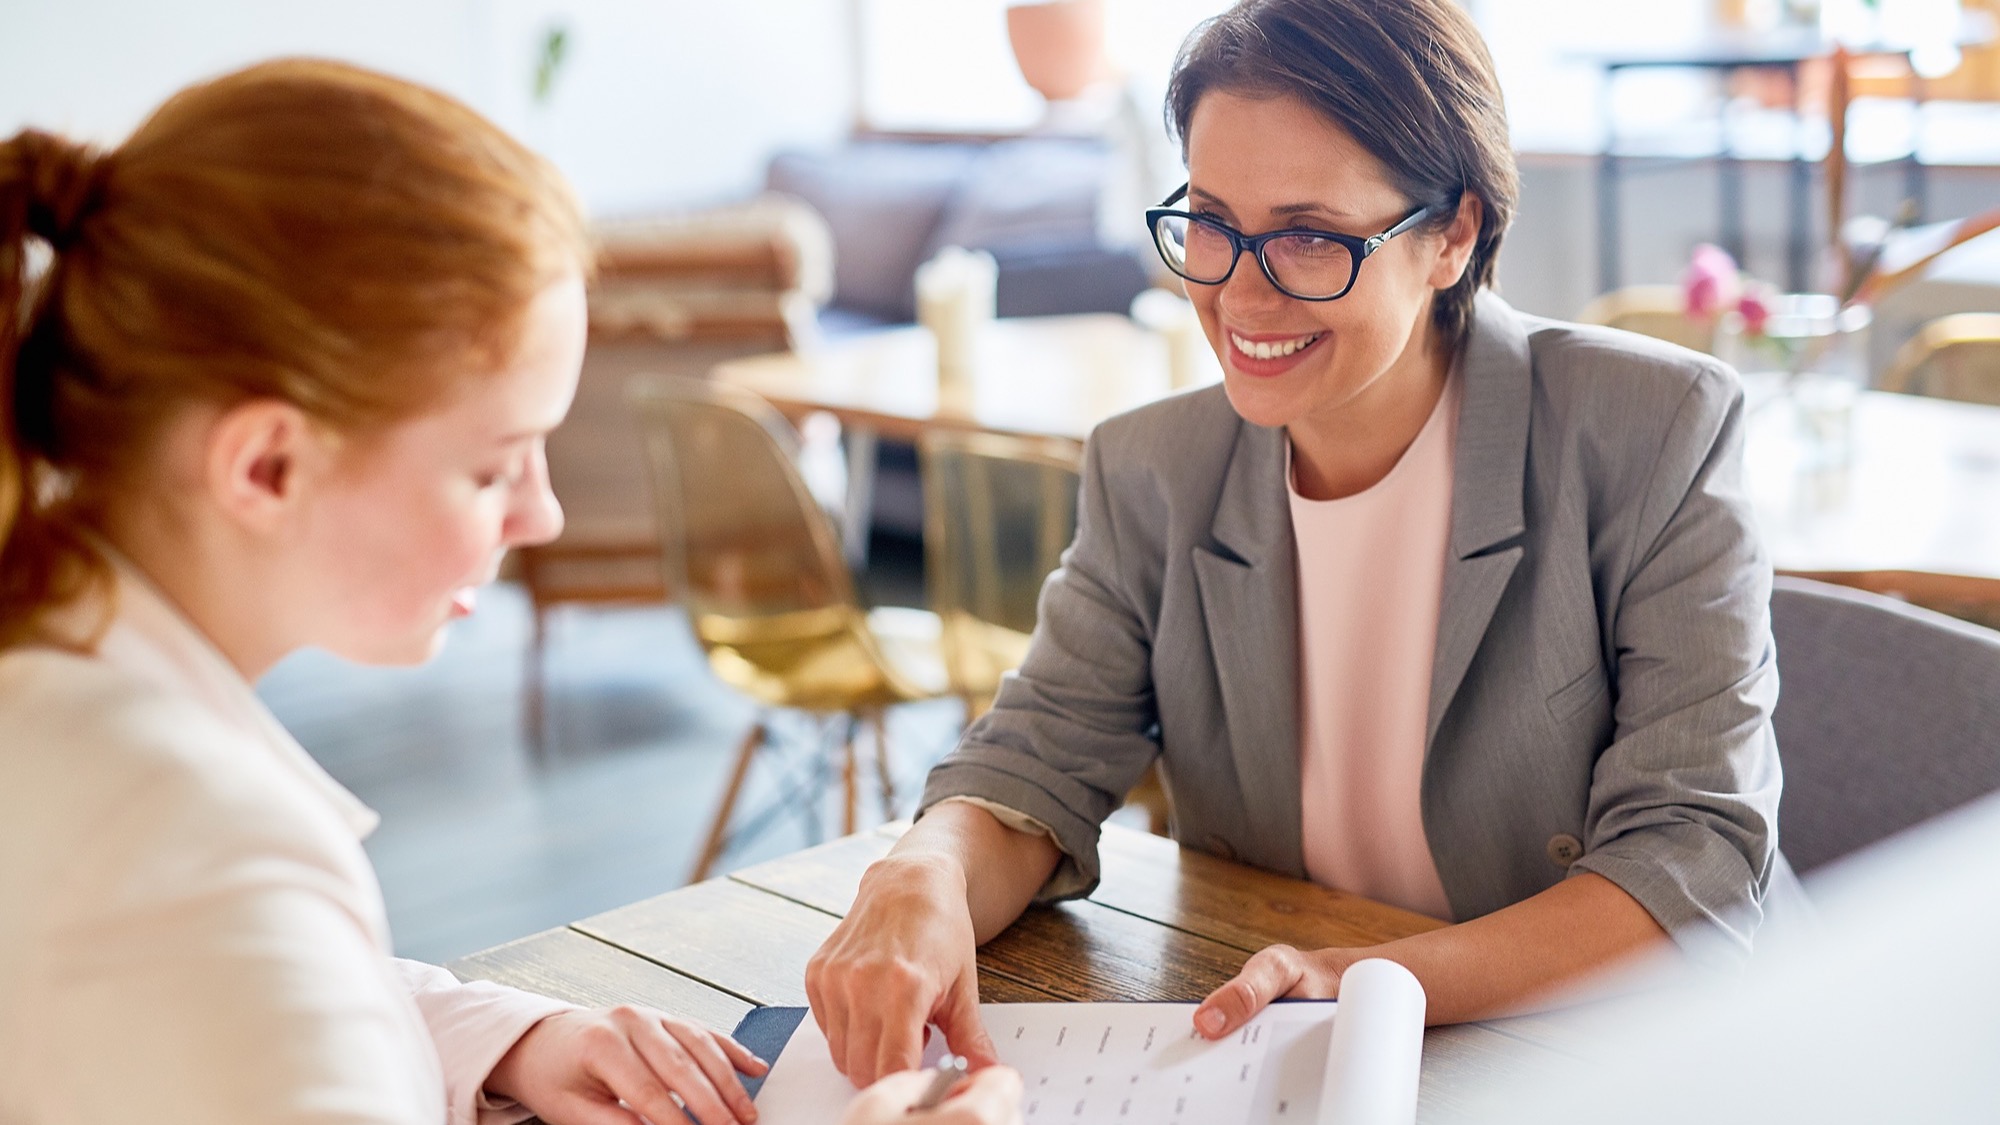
x=1302 y=264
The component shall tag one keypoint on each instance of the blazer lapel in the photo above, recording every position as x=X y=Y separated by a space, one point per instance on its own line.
x=1249 y=601
x=1486 y=500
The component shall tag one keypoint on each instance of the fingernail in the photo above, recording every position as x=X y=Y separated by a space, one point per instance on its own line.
x=1209 y=1020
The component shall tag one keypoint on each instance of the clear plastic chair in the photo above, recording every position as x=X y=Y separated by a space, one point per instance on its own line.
x=1955 y=357
x=1658 y=311
x=998 y=513
x=757 y=564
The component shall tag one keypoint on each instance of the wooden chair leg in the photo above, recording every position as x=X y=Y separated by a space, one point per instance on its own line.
x=878 y=722
x=850 y=789
x=535 y=686
x=718 y=829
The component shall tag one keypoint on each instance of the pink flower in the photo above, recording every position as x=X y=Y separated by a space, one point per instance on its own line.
x=1755 y=306
x=1711 y=283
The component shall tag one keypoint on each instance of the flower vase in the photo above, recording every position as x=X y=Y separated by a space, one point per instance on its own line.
x=1811 y=354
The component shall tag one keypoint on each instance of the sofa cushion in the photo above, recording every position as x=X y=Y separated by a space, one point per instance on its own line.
x=883 y=201
x=1038 y=190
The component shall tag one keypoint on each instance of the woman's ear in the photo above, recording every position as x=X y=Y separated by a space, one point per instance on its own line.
x=261 y=457
x=1456 y=247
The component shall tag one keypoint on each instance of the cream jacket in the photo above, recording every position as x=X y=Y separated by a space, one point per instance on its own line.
x=189 y=928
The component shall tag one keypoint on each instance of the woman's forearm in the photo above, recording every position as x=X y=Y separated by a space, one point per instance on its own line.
x=1513 y=960
x=1000 y=868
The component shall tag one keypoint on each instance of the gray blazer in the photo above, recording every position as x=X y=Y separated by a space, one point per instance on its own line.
x=1604 y=675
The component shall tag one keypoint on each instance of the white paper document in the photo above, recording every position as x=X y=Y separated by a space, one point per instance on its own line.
x=1313 y=1063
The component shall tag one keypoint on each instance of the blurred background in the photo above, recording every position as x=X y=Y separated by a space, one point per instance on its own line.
x=649 y=699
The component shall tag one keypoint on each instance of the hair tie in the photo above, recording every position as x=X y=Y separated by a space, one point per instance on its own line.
x=64 y=182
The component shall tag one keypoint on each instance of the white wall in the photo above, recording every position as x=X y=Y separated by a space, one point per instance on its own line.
x=661 y=103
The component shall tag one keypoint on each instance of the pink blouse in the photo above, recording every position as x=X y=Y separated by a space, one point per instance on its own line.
x=1371 y=574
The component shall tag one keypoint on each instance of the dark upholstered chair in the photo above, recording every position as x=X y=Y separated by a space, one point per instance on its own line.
x=1887 y=716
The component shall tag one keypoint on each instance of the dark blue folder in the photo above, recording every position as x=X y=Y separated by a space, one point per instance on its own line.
x=766 y=1031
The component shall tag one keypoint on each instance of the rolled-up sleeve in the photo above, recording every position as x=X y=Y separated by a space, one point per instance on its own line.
x=1683 y=804
x=1070 y=732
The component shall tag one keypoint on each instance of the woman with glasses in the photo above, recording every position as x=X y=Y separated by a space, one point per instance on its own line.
x=1431 y=601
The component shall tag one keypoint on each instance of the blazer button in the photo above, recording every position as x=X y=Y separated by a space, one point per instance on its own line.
x=1564 y=849
x=1219 y=847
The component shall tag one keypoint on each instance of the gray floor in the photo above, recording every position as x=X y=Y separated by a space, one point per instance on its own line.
x=479 y=845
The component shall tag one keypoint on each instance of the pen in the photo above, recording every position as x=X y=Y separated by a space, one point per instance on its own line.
x=944 y=1076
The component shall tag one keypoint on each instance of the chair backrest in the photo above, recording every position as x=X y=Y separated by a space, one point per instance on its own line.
x=1659 y=311
x=744 y=541
x=998 y=513
x=1956 y=357
x=1887 y=716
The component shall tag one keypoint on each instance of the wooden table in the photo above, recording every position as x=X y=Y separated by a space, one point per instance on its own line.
x=1165 y=924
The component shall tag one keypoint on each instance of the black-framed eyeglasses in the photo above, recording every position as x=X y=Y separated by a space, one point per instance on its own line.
x=1301 y=262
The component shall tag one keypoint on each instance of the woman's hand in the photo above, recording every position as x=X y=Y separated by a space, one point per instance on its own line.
x=990 y=1097
x=573 y=1068
x=1275 y=971
x=901 y=959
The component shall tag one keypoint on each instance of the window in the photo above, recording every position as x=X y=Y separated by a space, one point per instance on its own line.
x=946 y=65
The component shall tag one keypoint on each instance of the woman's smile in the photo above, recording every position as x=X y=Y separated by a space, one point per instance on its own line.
x=1265 y=354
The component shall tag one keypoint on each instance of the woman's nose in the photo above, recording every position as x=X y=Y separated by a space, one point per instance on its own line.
x=536 y=516
x=1248 y=290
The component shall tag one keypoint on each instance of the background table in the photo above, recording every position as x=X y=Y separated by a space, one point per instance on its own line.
x=1037 y=376
x=1165 y=924
x=1914 y=510
x=1033 y=376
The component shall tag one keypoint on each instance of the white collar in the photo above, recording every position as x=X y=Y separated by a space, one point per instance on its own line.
x=151 y=638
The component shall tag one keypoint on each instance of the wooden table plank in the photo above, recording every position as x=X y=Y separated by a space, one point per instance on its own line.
x=1083 y=951
x=824 y=877
x=725 y=934
x=1153 y=877
x=746 y=942
x=571 y=966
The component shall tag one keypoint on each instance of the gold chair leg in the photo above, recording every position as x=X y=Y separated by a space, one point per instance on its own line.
x=878 y=722
x=718 y=829
x=850 y=789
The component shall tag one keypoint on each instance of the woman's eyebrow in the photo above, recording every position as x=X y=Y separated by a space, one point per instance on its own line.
x=1289 y=210
x=1198 y=196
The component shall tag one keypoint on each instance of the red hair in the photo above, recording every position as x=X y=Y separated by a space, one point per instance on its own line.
x=301 y=230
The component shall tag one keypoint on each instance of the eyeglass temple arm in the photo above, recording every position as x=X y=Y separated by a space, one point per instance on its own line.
x=1179 y=194
x=1414 y=217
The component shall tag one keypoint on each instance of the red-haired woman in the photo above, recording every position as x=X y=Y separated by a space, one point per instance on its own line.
x=283 y=381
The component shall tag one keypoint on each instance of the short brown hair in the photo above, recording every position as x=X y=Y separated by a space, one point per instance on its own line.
x=1409 y=80
x=301 y=230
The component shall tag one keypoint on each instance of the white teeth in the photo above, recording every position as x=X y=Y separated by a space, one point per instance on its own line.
x=1271 y=349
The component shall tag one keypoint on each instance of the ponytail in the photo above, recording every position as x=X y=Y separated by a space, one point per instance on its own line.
x=48 y=187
